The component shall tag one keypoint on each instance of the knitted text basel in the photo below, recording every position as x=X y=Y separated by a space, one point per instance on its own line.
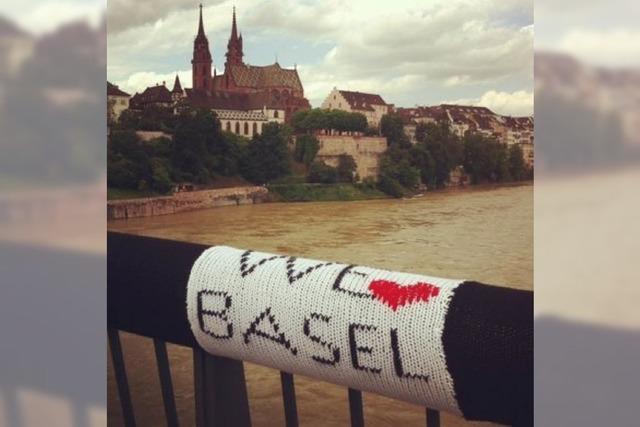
x=406 y=336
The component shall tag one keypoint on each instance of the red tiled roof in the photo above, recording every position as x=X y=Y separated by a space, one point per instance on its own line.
x=151 y=95
x=362 y=101
x=224 y=100
x=265 y=76
x=113 y=90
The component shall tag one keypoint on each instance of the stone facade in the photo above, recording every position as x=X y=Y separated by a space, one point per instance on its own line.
x=371 y=105
x=118 y=99
x=365 y=150
x=185 y=201
x=248 y=123
x=148 y=135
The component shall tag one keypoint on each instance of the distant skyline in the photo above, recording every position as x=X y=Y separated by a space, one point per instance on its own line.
x=477 y=52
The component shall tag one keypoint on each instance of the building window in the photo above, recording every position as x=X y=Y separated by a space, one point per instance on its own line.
x=228 y=126
x=237 y=128
x=275 y=114
x=246 y=128
x=255 y=128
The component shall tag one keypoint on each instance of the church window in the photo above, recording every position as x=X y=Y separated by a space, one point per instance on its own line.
x=237 y=128
x=275 y=114
x=255 y=128
x=246 y=128
x=228 y=126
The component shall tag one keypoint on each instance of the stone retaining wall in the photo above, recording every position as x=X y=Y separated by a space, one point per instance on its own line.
x=185 y=201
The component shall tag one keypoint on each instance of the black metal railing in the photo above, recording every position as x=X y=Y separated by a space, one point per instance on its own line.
x=146 y=296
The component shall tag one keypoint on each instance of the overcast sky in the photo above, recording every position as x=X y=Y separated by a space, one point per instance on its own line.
x=411 y=52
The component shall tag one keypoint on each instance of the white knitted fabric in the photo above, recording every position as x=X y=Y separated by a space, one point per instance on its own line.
x=369 y=329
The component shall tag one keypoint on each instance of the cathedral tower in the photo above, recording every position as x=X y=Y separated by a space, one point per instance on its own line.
x=234 y=47
x=201 y=62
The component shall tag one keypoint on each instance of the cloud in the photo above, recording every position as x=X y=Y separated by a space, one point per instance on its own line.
x=405 y=54
x=308 y=20
x=407 y=51
x=518 y=103
x=614 y=47
x=126 y=14
x=46 y=16
x=137 y=82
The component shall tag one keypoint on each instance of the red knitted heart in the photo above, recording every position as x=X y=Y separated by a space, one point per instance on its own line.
x=395 y=295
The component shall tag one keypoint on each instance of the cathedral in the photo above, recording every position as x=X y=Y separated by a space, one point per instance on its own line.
x=271 y=91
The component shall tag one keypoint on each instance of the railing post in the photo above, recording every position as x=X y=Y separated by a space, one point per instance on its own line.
x=164 y=372
x=433 y=418
x=355 y=408
x=289 y=398
x=120 y=373
x=221 y=391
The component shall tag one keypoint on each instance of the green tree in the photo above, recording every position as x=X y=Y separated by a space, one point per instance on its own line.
x=443 y=147
x=422 y=159
x=319 y=119
x=268 y=155
x=485 y=159
x=190 y=156
x=346 y=168
x=516 y=162
x=396 y=174
x=306 y=148
x=392 y=127
x=321 y=173
x=127 y=161
x=161 y=174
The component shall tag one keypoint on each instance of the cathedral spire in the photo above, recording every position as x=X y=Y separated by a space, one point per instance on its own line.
x=201 y=62
x=234 y=29
x=201 y=25
x=234 y=47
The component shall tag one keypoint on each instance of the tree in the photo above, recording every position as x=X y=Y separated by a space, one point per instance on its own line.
x=307 y=147
x=346 y=169
x=485 y=159
x=516 y=162
x=320 y=119
x=392 y=127
x=268 y=154
x=396 y=174
x=321 y=173
x=190 y=153
x=443 y=146
x=127 y=161
x=422 y=159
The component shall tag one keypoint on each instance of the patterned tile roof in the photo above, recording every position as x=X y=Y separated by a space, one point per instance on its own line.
x=266 y=76
x=224 y=100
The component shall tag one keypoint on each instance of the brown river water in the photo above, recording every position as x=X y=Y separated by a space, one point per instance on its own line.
x=483 y=233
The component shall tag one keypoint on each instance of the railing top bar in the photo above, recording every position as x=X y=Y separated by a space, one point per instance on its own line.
x=486 y=332
x=146 y=286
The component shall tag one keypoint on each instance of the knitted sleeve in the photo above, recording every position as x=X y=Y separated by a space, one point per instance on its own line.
x=451 y=345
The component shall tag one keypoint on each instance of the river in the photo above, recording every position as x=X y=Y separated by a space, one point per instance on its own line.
x=482 y=233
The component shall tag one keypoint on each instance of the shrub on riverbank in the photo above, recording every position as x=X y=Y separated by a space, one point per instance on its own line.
x=324 y=192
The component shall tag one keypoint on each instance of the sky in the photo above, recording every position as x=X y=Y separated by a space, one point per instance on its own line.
x=410 y=52
x=598 y=32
